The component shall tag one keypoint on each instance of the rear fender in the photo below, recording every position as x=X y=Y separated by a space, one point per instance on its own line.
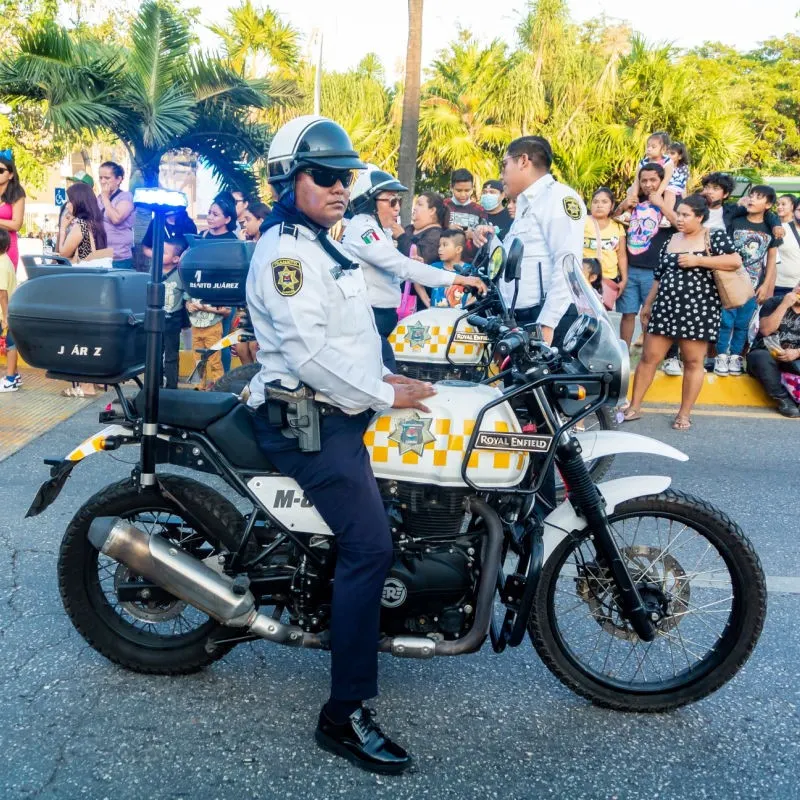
x=563 y=520
x=110 y=438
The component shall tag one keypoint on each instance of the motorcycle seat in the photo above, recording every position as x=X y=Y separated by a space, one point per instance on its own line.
x=187 y=409
x=235 y=437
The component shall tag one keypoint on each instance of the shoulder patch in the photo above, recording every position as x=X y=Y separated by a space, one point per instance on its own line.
x=572 y=208
x=369 y=236
x=287 y=275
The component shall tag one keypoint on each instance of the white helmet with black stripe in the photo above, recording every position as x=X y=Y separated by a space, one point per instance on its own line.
x=309 y=141
x=369 y=184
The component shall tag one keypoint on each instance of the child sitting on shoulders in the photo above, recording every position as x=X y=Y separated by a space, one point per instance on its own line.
x=656 y=151
x=675 y=186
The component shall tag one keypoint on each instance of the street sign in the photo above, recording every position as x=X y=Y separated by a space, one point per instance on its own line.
x=61 y=196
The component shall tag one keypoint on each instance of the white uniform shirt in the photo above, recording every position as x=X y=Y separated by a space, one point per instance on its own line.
x=385 y=267
x=313 y=324
x=549 y=222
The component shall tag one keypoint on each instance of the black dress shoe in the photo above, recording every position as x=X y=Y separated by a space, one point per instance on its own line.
x=362 y=742
x=788 y=407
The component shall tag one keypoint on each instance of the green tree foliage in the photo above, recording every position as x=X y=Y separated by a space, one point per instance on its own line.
x=154 y=95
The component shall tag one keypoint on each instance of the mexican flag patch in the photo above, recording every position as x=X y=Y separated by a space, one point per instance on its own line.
x=370 y=236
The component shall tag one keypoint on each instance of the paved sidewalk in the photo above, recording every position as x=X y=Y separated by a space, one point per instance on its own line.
x=36 y=408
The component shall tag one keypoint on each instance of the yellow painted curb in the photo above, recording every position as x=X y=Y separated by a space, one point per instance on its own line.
x=737 y=390
x=185 y=363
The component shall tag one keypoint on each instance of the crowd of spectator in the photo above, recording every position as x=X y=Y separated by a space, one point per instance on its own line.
x=652 y=256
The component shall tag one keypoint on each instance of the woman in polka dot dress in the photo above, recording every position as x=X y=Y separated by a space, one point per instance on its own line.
x=683 y=305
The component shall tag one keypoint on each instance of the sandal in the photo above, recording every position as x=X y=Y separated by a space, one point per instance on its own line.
x=681 y=423
x=631 y=416
x=73 y=391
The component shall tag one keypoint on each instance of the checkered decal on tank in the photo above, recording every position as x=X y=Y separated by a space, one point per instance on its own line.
x=433 y=339
x=448 y=448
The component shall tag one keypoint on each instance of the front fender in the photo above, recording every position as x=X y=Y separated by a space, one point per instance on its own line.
x=563 y=520
x=596 y=444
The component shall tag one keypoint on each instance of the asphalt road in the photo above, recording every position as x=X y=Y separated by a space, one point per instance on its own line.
x=73 y=725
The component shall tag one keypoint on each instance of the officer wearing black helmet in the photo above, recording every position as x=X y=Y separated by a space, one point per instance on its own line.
x=309 y=309
x=375 y=203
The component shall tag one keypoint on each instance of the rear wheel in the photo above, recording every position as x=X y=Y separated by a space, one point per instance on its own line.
x=236 y=380
x=162 y=635
x=687 y=557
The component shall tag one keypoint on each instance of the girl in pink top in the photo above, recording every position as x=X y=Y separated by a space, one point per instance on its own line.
x=12 y=204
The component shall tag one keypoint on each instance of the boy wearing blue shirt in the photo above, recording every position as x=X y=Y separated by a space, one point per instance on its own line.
x=451 y=248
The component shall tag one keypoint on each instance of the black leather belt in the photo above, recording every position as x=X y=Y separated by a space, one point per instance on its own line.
x=330 y=411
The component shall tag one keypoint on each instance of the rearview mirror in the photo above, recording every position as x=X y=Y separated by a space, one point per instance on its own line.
x=513 y=266
x=497 y=262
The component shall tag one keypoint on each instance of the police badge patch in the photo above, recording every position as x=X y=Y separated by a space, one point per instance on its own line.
x=418 y=335
x=412 y=434
x=572 y=208
x=287 y=275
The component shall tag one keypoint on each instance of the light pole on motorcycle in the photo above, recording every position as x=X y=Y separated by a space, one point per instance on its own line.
x=160 y=202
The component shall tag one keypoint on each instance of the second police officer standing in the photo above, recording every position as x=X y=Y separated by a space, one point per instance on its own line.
x=375 y=204
x=309 y=308
x=549 y=222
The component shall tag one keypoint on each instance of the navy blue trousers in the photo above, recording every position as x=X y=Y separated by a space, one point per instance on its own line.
x=340 y=483
x=385 y=322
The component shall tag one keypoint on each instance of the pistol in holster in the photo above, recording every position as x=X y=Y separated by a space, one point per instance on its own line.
x=296 y=413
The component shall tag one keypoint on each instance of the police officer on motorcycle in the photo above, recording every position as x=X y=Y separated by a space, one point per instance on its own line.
x=316 y=333
x=549 y=221
x=375 y=203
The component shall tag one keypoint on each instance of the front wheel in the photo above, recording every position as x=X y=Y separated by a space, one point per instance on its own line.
x=687 y=557
x=156 y=634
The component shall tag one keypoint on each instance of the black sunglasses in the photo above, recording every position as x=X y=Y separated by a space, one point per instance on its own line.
x=3 y=170
x=394 y=202
x=328 y=177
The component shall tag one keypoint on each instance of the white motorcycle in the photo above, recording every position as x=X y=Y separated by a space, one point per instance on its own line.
x=635 y=596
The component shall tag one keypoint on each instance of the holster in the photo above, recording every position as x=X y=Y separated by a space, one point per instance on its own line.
x=296 y=413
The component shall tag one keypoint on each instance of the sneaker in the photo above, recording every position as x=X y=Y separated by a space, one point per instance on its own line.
x=9 y=384
x=788 y=408
x=736 y=365
x=673 y=366
x=721 y=364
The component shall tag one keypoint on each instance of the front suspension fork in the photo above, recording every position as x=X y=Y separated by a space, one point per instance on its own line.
x=583 y=493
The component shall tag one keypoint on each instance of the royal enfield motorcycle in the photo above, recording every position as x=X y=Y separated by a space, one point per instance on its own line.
x=636 y=596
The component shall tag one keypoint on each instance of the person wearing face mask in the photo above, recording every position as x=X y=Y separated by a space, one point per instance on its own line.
x=375 y=203
x=492 y=198
x=465 y=213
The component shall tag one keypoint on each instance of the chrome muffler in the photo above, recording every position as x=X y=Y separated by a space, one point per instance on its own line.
x=190 y=580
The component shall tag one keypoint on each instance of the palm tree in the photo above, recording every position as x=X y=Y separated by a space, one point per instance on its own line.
x=409 y=128
x=459 y=127
x=154 y=95
x=251 y=33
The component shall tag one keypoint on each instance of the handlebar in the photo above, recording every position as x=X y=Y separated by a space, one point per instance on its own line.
x=511 y=342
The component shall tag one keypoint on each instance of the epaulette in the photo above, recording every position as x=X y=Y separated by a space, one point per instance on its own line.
x=287 y=229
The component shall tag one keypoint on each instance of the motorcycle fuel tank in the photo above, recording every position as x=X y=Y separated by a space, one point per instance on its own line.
x=429 y=447
x=422 y=337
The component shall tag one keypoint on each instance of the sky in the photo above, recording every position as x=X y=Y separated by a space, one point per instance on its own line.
x=352 y=28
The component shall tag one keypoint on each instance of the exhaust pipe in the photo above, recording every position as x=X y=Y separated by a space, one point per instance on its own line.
x=471 y=642
x=190 y=580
